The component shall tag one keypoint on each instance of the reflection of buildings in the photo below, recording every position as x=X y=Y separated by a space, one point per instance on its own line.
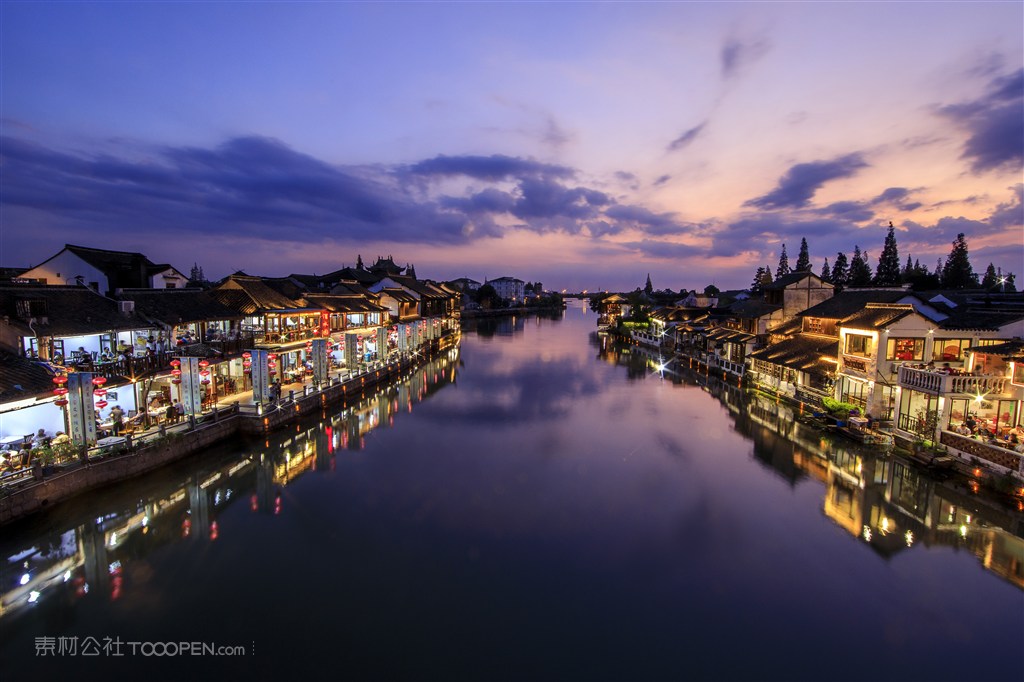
x=885 y=501
x=88 y=559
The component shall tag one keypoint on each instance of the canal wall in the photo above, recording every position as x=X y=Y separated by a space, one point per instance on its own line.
x=113 y=468
x=48 y=489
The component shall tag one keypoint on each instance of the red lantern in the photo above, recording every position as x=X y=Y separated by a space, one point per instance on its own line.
x=203 y=364
x=175 y=381
x=246 y=355
x=60 y=391
x=101 y=404
x=60 y=403
x=100 y=392
x=176 y=372
x=271 y=356
x=205 y=381
x=99 y=381
x=175 y=362
x=61 y=379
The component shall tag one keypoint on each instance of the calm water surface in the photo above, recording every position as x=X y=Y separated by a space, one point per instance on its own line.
x=537 y=506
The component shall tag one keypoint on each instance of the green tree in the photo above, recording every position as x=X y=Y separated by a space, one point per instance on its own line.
x=1010 y=285
x=488 y=297
x=888 y=272
x=860 y=272
x=711 y=290
x=840 y=271
x=783 y=268
x=908 y=271
x=991 y=279
x=756 y=285
x=826 y=272
x=957 y=272
x=803 y=259
x=648 y=287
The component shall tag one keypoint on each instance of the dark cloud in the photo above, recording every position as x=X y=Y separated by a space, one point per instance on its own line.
x=686 y=138
x=1011 y=213
x=854 y=211
x=897 y=197
x=994 y=123
x=494 y=168
x=645 y=220
x=798 y=185
x=737 y=54
x=764 y=232
x=542 y=198
x=662 y=180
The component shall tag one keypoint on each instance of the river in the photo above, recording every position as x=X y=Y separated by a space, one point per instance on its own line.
x=537 y=504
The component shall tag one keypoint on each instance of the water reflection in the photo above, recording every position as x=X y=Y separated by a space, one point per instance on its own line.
x=89 y=557
x=885 y=500
x=544 y=508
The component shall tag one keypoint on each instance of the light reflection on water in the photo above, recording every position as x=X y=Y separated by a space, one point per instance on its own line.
x=543 y=504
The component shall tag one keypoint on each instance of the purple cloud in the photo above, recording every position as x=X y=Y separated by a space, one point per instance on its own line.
x=798 y=185
x=995 y=125
x=686 y=138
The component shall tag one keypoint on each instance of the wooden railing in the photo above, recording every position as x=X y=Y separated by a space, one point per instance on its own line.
x=985 y=451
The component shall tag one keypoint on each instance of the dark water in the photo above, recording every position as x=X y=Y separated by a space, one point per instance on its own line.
x=540 y=506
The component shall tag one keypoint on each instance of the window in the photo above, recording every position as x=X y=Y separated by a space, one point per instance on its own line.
x=950 y=350
x=905 y=349
x=858 y=345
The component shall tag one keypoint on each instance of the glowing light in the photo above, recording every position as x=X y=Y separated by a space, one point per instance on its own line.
x=909 y=538
x=32 y=597
x=963 y=531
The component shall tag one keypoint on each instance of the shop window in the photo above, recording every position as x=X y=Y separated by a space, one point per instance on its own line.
x=950 y=350
x=905 y=349
x=857 y=344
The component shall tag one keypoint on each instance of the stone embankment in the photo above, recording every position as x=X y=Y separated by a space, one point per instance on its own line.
x=99 y=467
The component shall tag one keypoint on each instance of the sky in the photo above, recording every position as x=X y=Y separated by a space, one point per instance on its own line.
x=584 y=145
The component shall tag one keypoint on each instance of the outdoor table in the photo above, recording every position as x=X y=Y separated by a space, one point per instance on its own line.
x=7 y=440
x=109 y=442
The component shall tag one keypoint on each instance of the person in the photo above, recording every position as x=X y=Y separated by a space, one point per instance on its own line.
x=871 y=420
x=170 y=413
x=106 y=355
x=179 y=410
x=61 y=437
x=970 y=423
x=117 y=420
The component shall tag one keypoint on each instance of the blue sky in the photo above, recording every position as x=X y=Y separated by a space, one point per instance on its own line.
x=580 y=144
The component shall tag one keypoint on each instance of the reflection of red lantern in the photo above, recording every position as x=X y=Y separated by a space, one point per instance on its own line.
x=101 y=404
x=60 y=403
x=99 y=381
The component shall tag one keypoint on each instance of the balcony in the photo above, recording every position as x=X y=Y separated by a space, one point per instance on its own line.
x=941 y=383
x=988 y=452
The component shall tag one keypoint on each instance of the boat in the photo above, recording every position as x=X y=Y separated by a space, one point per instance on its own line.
x=857 y=429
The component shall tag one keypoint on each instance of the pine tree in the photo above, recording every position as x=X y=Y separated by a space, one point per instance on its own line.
x=359 y=262
x=888 y=272
x=826 y=273
x=648 y=287
x=803 y=260
x=957 y=272
x=908 y=271
x=755 y=286
x=840 y=271
x=196 y=275
x=991 y=279
x=783 y=268
x=767 y=278
x=860 y=273
x=1010 y=285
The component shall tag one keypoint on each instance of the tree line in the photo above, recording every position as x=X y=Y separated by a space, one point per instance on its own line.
x=953 y=272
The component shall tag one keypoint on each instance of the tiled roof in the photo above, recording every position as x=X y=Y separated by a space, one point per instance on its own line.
x=803 y=352
x=752 y=308
x=400 y=295
x=421 y=288
x=342 y=304
x=21 y=378
x=62 y=310
x=1011 y=350
x=122 y=268
x=986 y=319
x=732 y=335
x=875 y=316
x=177 y=306
x=250 y=295
x=793 y=278
x=787 y=328
x=850 y=301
